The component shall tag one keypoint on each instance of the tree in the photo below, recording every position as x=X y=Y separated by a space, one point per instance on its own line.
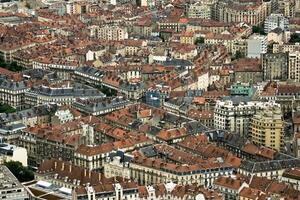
x=238 y=55
x=27 y=5
x=107 y=91
x=295 y=37
x=23 y=174
x=199 y=40
x=13 y=66
x=259 y=30
x=5 y=108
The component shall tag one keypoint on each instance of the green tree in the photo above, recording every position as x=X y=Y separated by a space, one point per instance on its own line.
x=199 y=40
x=259 y=30
x=23 y=174
x=5 y=108
x=13 y=66
x=107 y=91
x=295 y=37
x=238 y=55
x=27 y=5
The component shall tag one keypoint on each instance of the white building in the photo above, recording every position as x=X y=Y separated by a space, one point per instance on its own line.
x=117 y=164
x=257 y=45
x=64 y=115
x=276 y=21
x=236 y=117
x=13 y=153
x=203 y=81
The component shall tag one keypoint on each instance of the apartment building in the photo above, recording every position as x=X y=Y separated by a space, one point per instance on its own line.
x=267 y=127
x=112 y=33
x=234 y=117
x=11 y=188
x=7 y=50
x=152 y=171
x=29 y=117
x=296 y=145
x=284 y=48
x=274 y=21
x=199 y=10
x=275 y=66
x=253 y=13
x=57 y=141
x=257 y=45
x=63 y=94
x=294 y=66
x=12 y=91
x=88 y=75
x=61 y=180
x=117 y=164
x=100 y=106
x=62 y=67
x=287 y=8
x=207 y=25
x=93 y=157
x=292 y=176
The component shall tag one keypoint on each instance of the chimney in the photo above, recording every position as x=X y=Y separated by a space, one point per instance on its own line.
x=70 y=168
x=84 y=172
x=62 y=166
x=99 y=176
x=55 y=164
x=90 y=172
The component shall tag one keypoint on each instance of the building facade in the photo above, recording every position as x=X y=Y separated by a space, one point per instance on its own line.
x=275 y=66
x=267 y=127
x=257 y=45
x=294 y=66
x=276 y=21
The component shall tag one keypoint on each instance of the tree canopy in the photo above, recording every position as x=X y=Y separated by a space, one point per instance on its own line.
x=5 y=108
x=259 y=30
x=295 y=38
x=11 y=66
x=23 y=174
x=199 y=40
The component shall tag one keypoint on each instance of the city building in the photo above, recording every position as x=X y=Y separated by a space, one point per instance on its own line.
x=88 y=75
x=12 y=90
x=235 y=117
x=12 y=153
x=100 y=106
x=117 y=164
x=276 y=21
x=267 y=127
x=241 y=89
x=11 y=188
x=294 y=66
x=287 y=8
x=292 y=176
x=247 y=70
x=253 y=13
x=152 y=171
x=256 y=45
x=296 y=145
x=63 y=94
x=275 y=66
x=112 y=33
x=199 y=10
x=230 y=186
